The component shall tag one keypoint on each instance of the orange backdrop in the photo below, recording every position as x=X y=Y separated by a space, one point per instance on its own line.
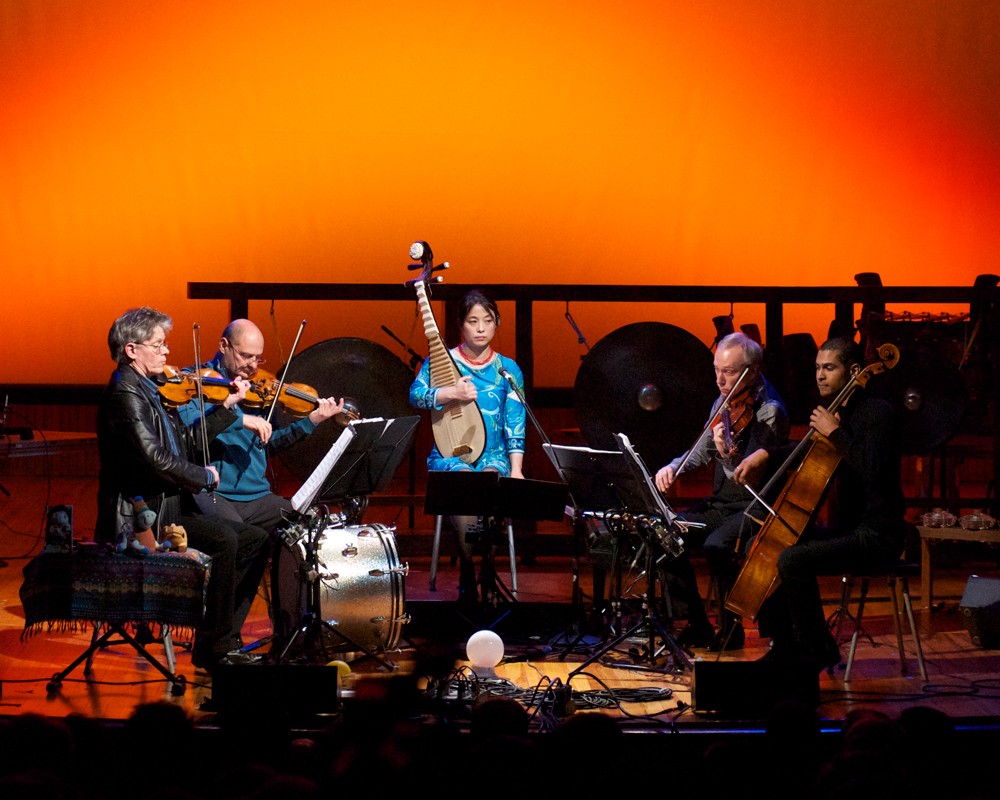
x=764 y=142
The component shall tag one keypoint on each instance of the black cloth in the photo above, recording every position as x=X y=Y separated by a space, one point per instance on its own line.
x=145 y=450
x=865 y=526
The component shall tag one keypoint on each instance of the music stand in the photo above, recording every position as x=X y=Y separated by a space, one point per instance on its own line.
x=361 y=461
x=495 y=498
x=609 y=481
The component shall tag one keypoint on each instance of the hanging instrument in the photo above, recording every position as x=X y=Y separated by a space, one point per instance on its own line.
x=798 y=502
x=459 y=429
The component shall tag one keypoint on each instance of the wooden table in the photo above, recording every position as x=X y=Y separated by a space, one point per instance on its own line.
x=955 y=534
x=45 y=443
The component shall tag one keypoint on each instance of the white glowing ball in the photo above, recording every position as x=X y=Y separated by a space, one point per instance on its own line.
x=485 y=651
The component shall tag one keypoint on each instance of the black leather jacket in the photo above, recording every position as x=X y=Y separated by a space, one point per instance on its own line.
x=137 y=459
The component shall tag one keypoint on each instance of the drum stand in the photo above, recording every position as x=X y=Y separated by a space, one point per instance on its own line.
x=312 y=628
x=660 y=653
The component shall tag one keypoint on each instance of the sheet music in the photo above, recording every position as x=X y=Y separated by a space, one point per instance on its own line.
x=552 y=450
x=306 y=494
x=665 y=511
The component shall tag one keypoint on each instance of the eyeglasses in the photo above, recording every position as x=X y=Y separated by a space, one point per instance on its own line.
x=258 y=360
x=156 y=348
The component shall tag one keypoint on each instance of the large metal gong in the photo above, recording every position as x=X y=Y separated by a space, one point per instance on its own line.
x=929 y=394
x=372 y=377
x=651 y=381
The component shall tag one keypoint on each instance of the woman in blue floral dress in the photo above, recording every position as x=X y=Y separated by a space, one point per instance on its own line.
x=481 y=371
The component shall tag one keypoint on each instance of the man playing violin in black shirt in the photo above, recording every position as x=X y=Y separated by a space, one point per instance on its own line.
x=737 y=362
x=147 y=451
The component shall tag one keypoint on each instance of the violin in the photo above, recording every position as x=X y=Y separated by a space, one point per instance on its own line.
x=297 y=398
x=735 y=414
x=180 y=387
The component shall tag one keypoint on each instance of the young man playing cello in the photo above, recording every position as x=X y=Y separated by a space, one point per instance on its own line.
x=866 y=526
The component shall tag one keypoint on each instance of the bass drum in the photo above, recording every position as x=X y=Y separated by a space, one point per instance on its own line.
x=361 y=591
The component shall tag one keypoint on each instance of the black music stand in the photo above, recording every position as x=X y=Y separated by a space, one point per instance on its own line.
x=608 y=481
x=495 y=498
x=366 y=465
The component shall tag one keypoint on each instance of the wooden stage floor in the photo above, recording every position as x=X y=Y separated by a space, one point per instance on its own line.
x=552 y=636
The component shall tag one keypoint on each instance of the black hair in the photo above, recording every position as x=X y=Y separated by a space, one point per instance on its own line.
x=474 y=298
x=848 y=351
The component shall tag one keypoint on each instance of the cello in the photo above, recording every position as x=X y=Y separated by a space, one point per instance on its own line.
x=458 y=425
x=798 y=502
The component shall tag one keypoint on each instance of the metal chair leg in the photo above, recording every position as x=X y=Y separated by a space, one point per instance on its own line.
x=435 y=552
x=898 y=626
x=513 y=560
x=857 y=628
x=908 y=606
x=168 y=649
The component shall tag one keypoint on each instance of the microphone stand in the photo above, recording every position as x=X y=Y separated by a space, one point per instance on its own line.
x=576 y=594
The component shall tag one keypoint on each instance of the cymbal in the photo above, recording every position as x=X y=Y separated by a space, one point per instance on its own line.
x=929 y=394
x=371 y=377
x=651 y=381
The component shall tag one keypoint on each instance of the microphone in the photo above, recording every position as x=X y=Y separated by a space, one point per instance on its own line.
x=507 y=376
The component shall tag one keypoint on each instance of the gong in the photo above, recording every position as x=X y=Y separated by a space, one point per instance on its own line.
x=929 y=394
x=653 y=382
x=374 y=379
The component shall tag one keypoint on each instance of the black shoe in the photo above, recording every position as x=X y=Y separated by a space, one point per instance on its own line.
x=790 y=656
x=696 y=635
x=725 y=641
x=779 y=655
x=231 y=659
x=239 y=658
x=468 y=596
x=827 y=656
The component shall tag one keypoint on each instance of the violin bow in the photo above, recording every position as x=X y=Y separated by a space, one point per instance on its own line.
x=281 y=380
x=196 y=336
x=722 y=407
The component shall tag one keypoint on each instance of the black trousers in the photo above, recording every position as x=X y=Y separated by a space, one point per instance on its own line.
x=239 y=554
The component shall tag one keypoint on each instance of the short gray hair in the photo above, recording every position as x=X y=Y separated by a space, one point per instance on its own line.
x=752 y=352
x=135 y=325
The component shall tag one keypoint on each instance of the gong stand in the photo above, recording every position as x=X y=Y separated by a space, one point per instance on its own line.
x=312 y=629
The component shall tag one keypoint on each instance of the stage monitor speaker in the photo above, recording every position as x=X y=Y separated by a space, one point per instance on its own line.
x=300 y=690
x=980 y=607
x=749 y=689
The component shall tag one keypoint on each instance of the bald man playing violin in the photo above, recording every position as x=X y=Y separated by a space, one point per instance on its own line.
x=748 y=415
x=241 y=451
